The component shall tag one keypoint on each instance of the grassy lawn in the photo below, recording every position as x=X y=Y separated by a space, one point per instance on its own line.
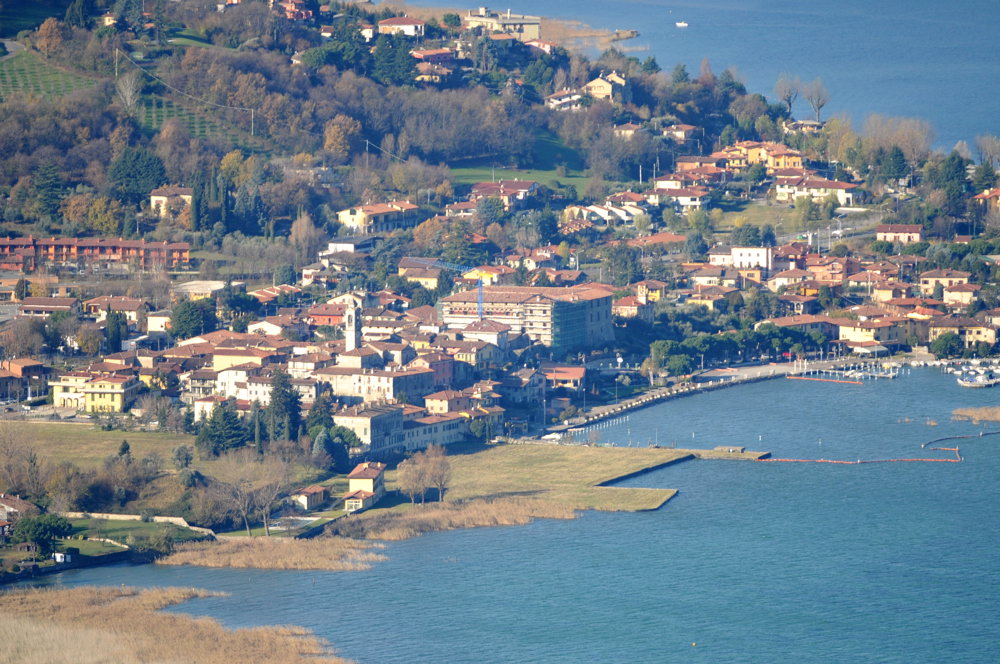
x=755 y=214
x=87 y=446
x=474 y=174
x=121 y=530
x=188 y=37
x=550 y=153
x=566 y=475
x=17 y=15
x=28 y=73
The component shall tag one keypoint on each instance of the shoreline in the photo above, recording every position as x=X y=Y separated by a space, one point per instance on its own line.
x=573 y=35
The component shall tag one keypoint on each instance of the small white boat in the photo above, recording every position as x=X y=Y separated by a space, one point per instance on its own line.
x=681 y=24
x=978 y=380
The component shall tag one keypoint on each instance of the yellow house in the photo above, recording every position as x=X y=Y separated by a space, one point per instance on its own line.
x=883 y=331
x=67 y=389
x=651 y=290
x=110 y=394
x=365 y=486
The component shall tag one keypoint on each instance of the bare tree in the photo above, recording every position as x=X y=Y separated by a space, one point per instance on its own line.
x=438 y=469
x=412 y=479
x=817 y=95
x=988 y=147
x=787 y=90
x=274 y=475
x=128 y=88
x=246 y=484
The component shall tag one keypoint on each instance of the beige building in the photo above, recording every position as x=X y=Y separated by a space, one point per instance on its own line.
x=563 y=318
x=523 y=27
x=170 y=201
x=380 y=428
x=379 y=218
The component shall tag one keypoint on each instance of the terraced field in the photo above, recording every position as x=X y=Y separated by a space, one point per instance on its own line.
x=26 y=73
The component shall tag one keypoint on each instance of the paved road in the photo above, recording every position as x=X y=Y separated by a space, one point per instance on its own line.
x=12 y=48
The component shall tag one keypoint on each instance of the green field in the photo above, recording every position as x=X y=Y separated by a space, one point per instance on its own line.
x=754 y=214
x=549 y=155
x=155 y=110
x=18 y=15
x=87 y=446
x=120 y=531
x=27 y=73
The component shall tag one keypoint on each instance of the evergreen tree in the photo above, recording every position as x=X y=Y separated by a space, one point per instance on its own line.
x=222 y=432
x=115 y=330
x=136 y=172
x=321 y=443
x=47 y=185
x=284 y=412
x=189 y=319
x=320 y=415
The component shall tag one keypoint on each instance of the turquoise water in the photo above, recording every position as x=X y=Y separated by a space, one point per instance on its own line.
x=910 y=58
x=753 y=562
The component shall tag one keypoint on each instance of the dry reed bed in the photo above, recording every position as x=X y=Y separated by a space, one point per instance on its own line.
x=338 y=554
x=90 y=625
x=432 y=517
x=977 y=415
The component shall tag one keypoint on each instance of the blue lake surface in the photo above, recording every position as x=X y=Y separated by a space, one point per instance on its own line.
x=908 y=58
x=752 y=562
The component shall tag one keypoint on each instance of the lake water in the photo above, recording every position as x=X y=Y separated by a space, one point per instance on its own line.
x=752 y=562
x=913 y=58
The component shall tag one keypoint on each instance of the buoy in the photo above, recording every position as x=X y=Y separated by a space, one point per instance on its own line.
x=694 y=643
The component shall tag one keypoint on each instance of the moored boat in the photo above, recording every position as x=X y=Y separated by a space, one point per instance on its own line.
x=978 y=380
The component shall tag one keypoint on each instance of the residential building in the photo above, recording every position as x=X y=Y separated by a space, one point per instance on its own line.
x=379 y=217
x=402 y=25
x=170 y=201
x=899 y=233
x=310 y=497
x=378 y=427
x=945 y=277
x=818 y=189
x=30 y=253
x=525 y=28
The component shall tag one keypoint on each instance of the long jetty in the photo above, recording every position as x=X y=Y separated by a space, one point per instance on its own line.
x=958 y=459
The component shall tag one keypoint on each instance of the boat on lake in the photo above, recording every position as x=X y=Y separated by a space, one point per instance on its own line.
x=975 y=379
x=681 y=24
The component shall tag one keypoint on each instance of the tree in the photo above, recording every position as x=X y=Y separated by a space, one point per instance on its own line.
x=128 y=89
x=191 y=318
x=412 y=477
x=452 y=20
x=985 y=177
x=115 y=330
x=948 y=344
x=50 y=36
x=817 y=95
x=284 y=274
x=284 y=412
x=342 y=440
x=438 y=469
x=182 y=456
x=22 y=289
x=77 y=13
x=320 y=415
x=222 y=432
x=42 y=531
x=787 y=90
x=136 y=172
x=235 y=482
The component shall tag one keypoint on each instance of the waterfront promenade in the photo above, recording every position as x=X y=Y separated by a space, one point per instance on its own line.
x=712 y=379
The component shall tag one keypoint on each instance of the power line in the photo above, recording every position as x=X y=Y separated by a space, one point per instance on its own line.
x=201 y=100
